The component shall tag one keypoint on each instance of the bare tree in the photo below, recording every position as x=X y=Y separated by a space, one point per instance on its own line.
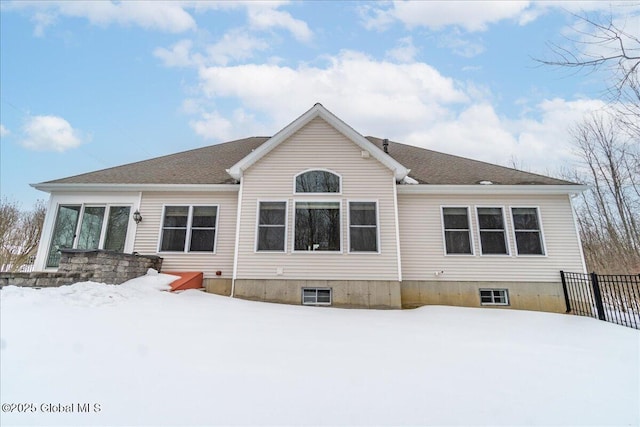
x=603 y=44
x=607 y=143
x=609 y=213
x=19 y=234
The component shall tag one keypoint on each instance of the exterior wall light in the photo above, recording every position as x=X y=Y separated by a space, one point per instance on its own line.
x=137 y=217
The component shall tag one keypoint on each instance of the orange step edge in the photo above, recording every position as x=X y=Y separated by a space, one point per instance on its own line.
x=187 y=280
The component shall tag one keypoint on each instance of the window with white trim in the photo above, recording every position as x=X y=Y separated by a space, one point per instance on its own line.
x=491 y=227
x=457 y=230
x=317 y=226
x=363 y=227
x=317 y=181
x=316 y=296
x=494 y=297
x=189 y=229
x=271 y=226
x=88 y=227
x=527 y=230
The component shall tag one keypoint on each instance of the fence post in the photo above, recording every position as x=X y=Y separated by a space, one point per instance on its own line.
x=598 y=296
x=566 y=293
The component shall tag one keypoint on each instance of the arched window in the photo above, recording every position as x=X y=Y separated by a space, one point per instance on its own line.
x=317 y=181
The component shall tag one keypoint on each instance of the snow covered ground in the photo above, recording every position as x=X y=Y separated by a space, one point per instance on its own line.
x=94 y=354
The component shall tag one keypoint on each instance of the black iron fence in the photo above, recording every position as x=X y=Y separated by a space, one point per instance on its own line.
x=613 y=298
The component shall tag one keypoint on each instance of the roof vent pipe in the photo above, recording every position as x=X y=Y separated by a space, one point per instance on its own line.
x=385 y=145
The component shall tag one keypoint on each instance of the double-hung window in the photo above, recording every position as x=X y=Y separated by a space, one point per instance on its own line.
x=189 y=229
x=491 y=225
x=363 y=227
x=457 y=230
x=271 y=226
x=528 y=232
x=317 y=226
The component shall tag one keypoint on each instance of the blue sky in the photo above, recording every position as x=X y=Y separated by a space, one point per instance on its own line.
x=90 y=85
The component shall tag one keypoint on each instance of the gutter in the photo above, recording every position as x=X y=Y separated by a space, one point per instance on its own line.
x=523 y=189
x=50 y=187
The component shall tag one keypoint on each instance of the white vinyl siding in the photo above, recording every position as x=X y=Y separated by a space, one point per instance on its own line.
x=423 y=251
x=150 y=231
x=318 y=146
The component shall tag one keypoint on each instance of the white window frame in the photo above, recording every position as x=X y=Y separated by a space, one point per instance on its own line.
x=541 y=230
x=103 y=228
x=79 y=199
x=295 y=178
x=505 y=231
x=187 y=239
x=471 y=234
x=316 y=299
x=286 y=227
x=105 y=219
x=293 y=226
x=493 y=296
x=349 y=201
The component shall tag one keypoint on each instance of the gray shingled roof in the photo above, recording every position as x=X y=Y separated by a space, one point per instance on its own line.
x=207 y=165
x=433 y=167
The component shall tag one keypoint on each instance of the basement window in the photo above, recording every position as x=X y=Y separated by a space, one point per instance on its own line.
x=494 y=297
x=316 y=296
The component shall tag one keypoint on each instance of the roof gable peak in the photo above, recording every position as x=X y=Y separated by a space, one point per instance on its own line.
x=318 y=110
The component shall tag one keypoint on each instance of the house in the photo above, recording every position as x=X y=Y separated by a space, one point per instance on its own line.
x=319 y=214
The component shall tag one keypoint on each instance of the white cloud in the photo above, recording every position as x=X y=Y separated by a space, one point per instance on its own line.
x=50 y=133
x=168 y=16
x=472 y=16
x=354 y=83
x=4 y=131
x=212 y=125
x=178 y=55
x=541 y=141
x=42 y=20
x=459 y=45
x=235 y=45
x=475 y=16
x=411 y=103
x=264 y=16
x=157 y=15
x=404 y=51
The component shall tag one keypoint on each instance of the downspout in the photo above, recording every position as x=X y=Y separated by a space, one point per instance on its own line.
x=45 y=236
x=395 y=206
x=235 y=254
x=135 y=233
x=575 y=224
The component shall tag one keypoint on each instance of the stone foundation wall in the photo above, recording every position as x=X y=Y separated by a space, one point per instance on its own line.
x=106 y=266
x=78 y=265
x=42 y=280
